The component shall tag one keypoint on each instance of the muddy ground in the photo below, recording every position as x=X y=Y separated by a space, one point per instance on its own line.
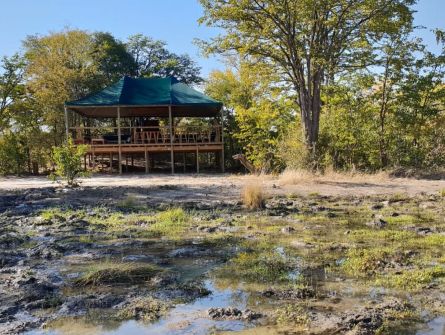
x=183 y=255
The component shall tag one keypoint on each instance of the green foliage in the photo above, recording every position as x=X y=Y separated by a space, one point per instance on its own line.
x=152 y=58
x=68 y=65
x=292 y=314
x=306 y=43
x=171 y=222
x=414 y=279
x=257 y=114
x=265 y=266
x=13 y=157
x=365 y=262
x=68 y=160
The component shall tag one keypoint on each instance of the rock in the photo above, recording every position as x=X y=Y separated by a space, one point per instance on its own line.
x=299 y=293
x=230 y=313
x=378 y=222
x=377 y=206
x=421 y=230
x=207 y=229
x=287 y=230
x=367 y=320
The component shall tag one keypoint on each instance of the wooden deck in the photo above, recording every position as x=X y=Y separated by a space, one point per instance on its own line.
x=147 y=141
x=154 y=148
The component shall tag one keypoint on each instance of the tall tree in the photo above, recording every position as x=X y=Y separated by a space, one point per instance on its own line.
x=112 y=58
x=153 y=59
x=60 y=68
x=307 y=41
x=11 y=85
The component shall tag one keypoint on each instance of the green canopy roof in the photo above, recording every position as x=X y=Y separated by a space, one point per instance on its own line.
x=146 y=97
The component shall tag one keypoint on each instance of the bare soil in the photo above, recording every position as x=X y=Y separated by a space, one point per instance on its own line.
x=228 y=187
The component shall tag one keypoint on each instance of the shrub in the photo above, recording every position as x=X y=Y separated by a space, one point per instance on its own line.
x=13 y=156
x=253 y=196
x=68 y=160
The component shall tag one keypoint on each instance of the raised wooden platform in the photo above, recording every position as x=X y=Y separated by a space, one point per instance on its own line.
x=154 y=148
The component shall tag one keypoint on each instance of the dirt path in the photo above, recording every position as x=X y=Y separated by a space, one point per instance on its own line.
x=229 y=186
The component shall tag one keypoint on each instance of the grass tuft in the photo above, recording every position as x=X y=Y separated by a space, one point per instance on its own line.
x=116 y=273
x=253 y=196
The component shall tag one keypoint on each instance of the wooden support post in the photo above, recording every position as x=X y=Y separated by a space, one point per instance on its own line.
x=66 y=123
x=111 y=162
x=147 y=167
x=170 y=122
x=119 y=138
x=183 y=160
x=197 y=159
x=126 y=162
x=222 y=140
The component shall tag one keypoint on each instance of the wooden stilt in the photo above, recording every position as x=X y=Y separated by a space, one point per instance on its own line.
x=222 y=140
x=183 y=160
x=111 y=162
x=172 y=156
x=119 y=137
x=146 y=161
x=66 y=123
x=197 y=160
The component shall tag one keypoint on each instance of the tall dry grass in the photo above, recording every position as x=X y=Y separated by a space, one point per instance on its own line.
x=253 y=196
x=291 y=177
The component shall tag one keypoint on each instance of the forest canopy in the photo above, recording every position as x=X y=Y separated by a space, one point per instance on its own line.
x=63 y=66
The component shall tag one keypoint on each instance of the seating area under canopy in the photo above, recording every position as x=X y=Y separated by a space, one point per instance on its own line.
x=148 y=118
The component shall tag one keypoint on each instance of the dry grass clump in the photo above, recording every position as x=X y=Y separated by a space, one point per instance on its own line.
x=291 y=177
x=252 y=196
x=117 y=273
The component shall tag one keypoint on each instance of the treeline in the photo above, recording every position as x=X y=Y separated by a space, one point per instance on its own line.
x=62 y=66
x=338 y=84
x=309 y=84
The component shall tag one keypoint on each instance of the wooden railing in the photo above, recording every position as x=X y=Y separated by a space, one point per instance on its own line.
x=145 y=135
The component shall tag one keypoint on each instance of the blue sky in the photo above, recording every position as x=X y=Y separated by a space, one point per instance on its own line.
x=174 y=21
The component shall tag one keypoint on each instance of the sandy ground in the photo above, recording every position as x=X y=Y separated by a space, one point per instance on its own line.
x=230 y=186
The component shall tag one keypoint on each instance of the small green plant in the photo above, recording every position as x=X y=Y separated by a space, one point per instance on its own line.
x=117 y=273
x=292 y=314
x=68 y=160
x=365 y=262
x=170 y=222
x=413 y=279
x=262 y=267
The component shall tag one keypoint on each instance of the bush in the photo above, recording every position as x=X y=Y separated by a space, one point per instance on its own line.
x=68 y=160
x=13 y=157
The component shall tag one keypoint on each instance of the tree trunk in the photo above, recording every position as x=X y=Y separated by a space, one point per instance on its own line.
x=310 y=107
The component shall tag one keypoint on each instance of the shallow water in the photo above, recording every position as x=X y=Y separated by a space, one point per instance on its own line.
x=182 y=319
x=434 y=327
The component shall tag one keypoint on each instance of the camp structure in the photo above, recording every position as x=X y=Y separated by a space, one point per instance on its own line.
x=145 y=118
